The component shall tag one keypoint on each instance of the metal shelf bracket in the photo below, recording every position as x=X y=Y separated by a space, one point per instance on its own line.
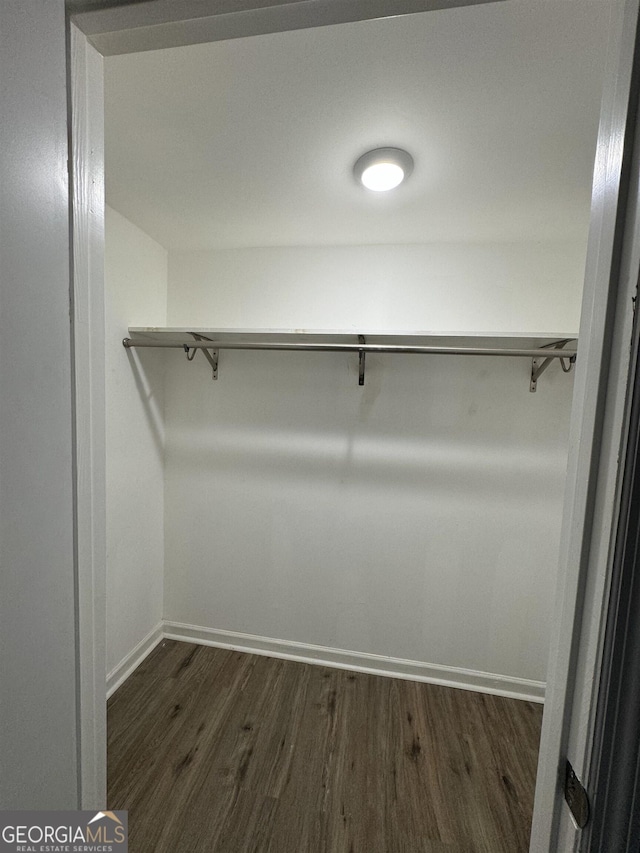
x=539 y=364
x=210 y=354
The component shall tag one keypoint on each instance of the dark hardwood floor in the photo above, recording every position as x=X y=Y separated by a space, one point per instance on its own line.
x=214 y=751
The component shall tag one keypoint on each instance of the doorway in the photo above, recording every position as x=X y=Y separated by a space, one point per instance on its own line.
x=350 y=621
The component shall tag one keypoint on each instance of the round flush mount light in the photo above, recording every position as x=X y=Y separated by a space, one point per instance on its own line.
x=383 y=168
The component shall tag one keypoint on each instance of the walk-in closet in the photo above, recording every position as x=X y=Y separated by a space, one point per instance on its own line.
x=337 y=430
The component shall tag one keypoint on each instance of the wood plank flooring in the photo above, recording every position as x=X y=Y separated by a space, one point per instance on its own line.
x=215 y=751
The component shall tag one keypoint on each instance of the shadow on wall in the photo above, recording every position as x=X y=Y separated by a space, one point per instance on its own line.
x=147 y=370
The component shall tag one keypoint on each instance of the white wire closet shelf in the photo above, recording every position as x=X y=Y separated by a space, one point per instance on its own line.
x=542 y=349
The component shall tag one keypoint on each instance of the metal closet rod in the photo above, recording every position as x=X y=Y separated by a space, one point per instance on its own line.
x=546 y=352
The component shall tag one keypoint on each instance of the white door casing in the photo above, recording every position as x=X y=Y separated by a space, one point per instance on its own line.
x=596 y=445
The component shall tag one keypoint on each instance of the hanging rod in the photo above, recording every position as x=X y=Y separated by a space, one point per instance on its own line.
x=541 y=357
x=568 y=352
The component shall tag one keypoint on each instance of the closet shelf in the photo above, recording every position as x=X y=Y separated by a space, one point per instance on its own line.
x=541 y=349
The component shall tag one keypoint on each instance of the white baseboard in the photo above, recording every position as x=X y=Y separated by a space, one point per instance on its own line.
x=123 y=670
x=481 y=682
x=464 y=679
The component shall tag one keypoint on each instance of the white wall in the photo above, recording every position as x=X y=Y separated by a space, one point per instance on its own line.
x=509 y=287
x=38 y=731
x=136 y=292
x=417 y=517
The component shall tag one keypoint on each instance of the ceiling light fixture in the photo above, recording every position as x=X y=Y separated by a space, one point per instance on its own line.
x=383 y=168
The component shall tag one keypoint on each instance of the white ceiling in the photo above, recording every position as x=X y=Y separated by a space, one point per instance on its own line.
x=251 y=142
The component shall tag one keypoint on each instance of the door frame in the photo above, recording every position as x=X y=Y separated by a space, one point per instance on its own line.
x=599 y=414
x=598 y=438
x=615 y=762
